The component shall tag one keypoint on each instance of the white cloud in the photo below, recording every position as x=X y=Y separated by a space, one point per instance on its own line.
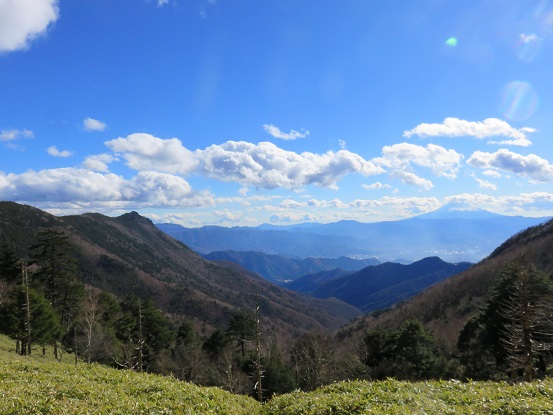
x=90 y=124
x=12 y=135
x=276 y=133
x=342 y=144
x=492 y=173
x=268 y=166
x=146 y=152
x=490 y=127
x=61 y=185
x=401 y=206
x=161 y=189
x=292 y=204
x=82 y=187
x=375 y=186
x=98 y=162
x=525 y=203
x=530 y=166
x=441 y=161
x=21 y=21
x=484 y=184
x=161 y=3
x=54 y=152
x=411 y=178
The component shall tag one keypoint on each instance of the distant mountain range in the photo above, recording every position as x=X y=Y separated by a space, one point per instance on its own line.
x=379 y=286
x=452 y=235
x=278 y=268
x=446 y=306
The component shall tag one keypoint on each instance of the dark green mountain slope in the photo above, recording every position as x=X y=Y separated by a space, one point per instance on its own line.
x=128 y=254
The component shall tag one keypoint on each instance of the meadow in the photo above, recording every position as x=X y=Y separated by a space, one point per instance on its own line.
x=39 y=384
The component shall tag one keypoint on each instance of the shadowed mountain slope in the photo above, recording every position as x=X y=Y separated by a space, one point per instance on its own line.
x=380 y=286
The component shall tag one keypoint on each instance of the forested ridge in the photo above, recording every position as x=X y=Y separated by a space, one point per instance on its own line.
x=47 y=304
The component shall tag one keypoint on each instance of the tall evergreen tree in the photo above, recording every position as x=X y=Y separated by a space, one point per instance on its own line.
x=145 y=331
x=57 y=274
x=242 y=329
x=10 y=268
x=42 y=320
x=515 y=327
x=408 y=352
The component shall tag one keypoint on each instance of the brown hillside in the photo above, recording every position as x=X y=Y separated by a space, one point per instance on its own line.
x=128 y=254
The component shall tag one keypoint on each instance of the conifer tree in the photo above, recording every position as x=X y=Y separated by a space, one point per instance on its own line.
x=145 y=331
x=515 y=327
x=242 y=329
x=9 y=264
x=57 y=274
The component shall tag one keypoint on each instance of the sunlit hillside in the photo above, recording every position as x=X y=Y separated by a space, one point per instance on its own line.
x=41 y=385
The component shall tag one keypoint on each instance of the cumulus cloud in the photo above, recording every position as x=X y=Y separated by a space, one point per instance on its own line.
x=159 y=188
x=441 y=161
x=21 y=21
x=292 y=204
x=411 y=178
x=98 y=162
x=12 y=135
x=530 y=166
x=146 y=152
x=490 y=127
x=268 y=166
x=80 y=187
x=61 y=185
x=375 y=186
x=90 y=124
x=54 y=152
x=276 y=133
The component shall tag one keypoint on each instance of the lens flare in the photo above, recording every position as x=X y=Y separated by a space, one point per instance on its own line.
x=528 y=47
x=451 y=42
x=519 y=101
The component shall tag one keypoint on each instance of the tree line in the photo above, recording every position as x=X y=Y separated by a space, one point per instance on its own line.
x=43 y=302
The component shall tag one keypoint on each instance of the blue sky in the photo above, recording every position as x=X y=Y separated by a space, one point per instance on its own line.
x=241 y=112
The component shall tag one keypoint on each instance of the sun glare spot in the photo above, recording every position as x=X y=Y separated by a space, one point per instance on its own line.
x=519 y=101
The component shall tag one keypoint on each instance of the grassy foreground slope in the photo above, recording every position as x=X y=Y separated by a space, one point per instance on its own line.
x=430 y=398
x=41 y=385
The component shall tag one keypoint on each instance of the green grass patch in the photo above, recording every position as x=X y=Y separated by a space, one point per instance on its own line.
x=41 y=385
x=429 y=398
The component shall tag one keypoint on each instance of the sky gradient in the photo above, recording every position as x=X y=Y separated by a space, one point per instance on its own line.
x=242 y=112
